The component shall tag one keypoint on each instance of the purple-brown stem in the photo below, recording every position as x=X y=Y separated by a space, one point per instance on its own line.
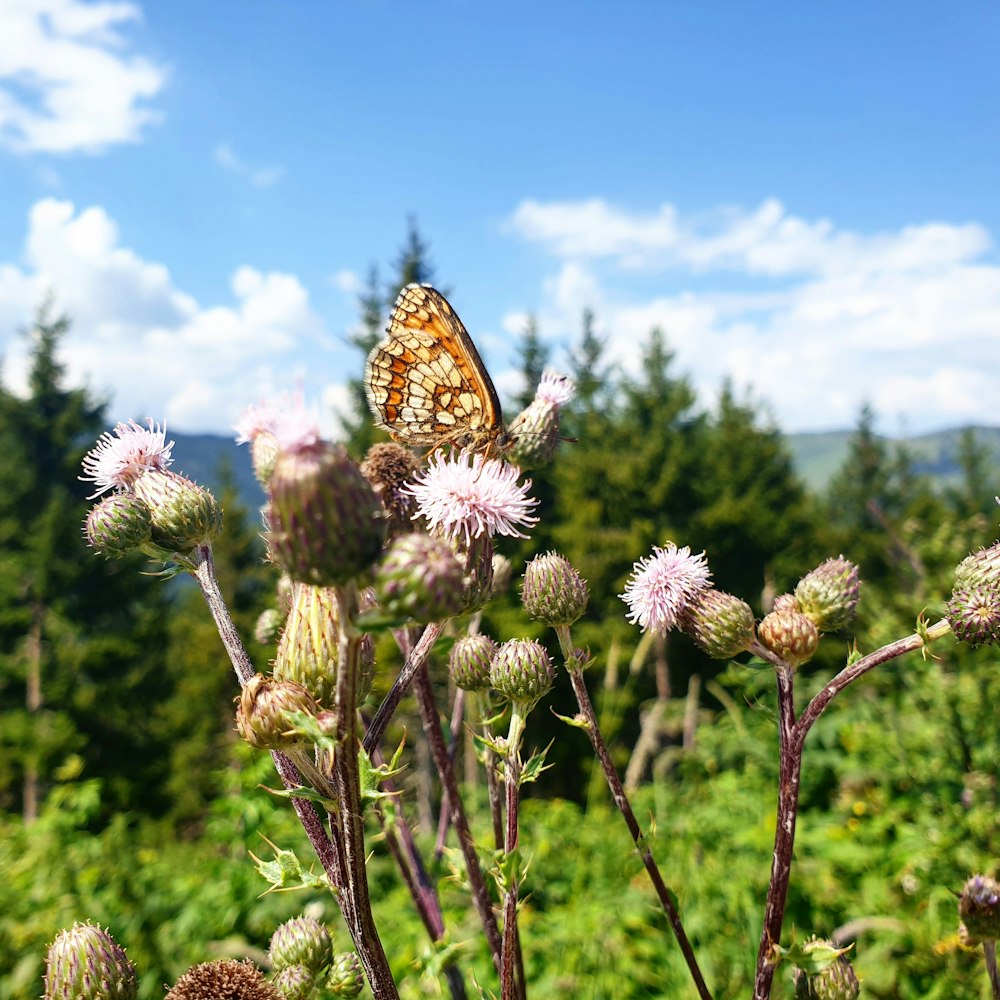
x=990 y=956
x=444 y=820
x=349 y=814
x=439 y=751
x=329 y=853
x=792 y=736
x=593 y=731
x=790 y=767
x=512 y=783
x=415 y=659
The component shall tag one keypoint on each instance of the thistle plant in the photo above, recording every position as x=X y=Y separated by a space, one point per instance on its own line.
x=403 y=547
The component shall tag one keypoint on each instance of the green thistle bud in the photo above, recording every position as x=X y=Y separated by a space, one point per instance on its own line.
x=268 y=626
x=837 y=981
x=295 y=982
x=829 y=594
x=327 y=525
x=307 y=649
x=389 y=467
x=789 y=634
x=974 y=614
x=521 y=671
x=469 y=662
x=554 y=592
x=979 y=908
x=301 y=941
x=346 y=978
x=722 y=625
x=419 y=577
x=85 y=963
x=980 y=569
x=475 y=556
x=535 y=430
x=184 y=515
x=226 y=979
x=262 y=716
x=118 y=525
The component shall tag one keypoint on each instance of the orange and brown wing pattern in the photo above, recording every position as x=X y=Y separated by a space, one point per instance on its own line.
x=425 y=381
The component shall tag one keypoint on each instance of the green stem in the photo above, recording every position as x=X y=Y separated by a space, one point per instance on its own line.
x=512 y=781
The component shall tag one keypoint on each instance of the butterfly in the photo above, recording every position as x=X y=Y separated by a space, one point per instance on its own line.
x=426 y=383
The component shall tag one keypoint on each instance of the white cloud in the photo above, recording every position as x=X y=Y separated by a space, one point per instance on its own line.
x=824 y=318
x=347 y=281
x=67 y=82
x=260 y=177
x=164 y=354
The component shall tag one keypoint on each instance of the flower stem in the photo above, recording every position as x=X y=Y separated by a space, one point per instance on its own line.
x=416 y=658
x=349 y=815
x=512 y=782
x=990 y=954
x=625 y=808
x=790 y=768
x=439 y=751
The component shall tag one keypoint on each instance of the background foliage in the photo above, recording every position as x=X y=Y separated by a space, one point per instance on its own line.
x=127 y=800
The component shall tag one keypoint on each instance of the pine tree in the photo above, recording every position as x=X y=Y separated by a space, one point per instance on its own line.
x=81 y=640
x=534 y=357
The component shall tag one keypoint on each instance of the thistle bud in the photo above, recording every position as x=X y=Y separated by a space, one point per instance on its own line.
x=223 y=978
x=535 y=430
x=183 y=514
x=346 y=978
x=307 y=649
x=475 y=556
x=521 y=671
x=419 y=577
x=836 y=981
x=974 y=614
x=86 y=963
x=268 y=626
x=262 y=716
x=722 y=625
x=785 y=602
x=118 y=525
x=469 y=662
x=326 y=524
x=829 y=594
x=301 y=941
x=979 y=908
x=389 y=467
x=554 y=592
x=295 y=982
x=790 y=635
x=980 y=569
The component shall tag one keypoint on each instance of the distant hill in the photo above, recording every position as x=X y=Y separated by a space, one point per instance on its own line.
x=816 y=457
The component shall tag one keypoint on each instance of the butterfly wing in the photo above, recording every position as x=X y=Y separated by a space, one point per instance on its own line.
x=426 y=383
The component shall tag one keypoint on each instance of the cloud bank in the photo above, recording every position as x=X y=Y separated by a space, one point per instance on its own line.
x=68 y=83
x=816 y=318
x=134 y=332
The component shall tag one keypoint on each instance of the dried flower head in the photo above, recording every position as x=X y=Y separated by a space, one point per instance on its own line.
x=225 y=979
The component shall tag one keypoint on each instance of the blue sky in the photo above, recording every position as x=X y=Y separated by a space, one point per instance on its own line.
x=803 y=196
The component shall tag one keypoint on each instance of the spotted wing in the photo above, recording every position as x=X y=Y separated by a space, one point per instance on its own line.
x=425 y=381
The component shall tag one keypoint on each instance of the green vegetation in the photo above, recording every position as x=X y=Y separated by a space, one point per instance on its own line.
x=127 y=799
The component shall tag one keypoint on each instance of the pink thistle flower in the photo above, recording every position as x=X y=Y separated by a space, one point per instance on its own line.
x=469 y=500
x=255 y=420
x=121 y=456
x=662 y=585
x=554 y=389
